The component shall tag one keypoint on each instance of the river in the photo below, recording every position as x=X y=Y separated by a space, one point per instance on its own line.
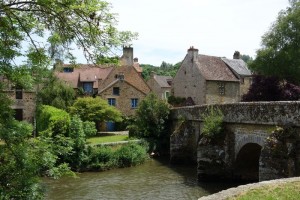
x=153 y=180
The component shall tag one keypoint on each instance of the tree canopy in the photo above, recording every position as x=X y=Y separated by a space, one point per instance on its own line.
x=95 y=109
x=279 y=54
x=41 y=30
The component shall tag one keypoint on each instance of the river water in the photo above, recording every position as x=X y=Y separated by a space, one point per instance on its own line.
x=153 y=180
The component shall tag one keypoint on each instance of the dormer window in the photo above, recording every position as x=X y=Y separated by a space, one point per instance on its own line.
x=68 y=69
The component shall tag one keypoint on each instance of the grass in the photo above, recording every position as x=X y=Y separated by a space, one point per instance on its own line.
x=277 y=191
x=105 y=139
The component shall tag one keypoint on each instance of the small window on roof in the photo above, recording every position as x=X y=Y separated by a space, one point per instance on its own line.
x=68 y=69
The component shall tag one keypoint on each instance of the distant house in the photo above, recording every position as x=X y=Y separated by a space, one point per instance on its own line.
x=210 y=79
x=122 y=86
x=23 y=101
x=160 y=85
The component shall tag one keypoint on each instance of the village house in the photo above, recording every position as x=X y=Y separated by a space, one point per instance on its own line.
x=23 y=101
x=160 y=85
x=122 y=86
x=210 y=79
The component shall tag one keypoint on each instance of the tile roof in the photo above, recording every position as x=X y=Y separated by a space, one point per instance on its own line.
x=131 y=76
x=138 y=67
x=213 y=68
x=163 y=80
x=238 y=65
x=85 y=73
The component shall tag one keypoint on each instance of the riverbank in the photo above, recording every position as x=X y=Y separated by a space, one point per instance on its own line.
x=233 y=192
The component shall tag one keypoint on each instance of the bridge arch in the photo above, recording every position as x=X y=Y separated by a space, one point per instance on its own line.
x=242 y=139
x=247 y=162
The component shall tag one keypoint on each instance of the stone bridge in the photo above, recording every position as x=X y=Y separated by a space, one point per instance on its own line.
x=252 y=147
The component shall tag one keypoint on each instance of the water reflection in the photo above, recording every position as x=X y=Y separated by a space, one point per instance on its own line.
x=152 y=180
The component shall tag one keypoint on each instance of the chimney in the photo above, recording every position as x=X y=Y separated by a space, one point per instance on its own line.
x=127 y=57
x=58 y=64
x=193 y=53
x=136 y=60
x=236 y=55
x=152 y=74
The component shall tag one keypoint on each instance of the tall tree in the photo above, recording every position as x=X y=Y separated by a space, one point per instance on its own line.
x=38 y=31
x=50 y=28
x=279 y=54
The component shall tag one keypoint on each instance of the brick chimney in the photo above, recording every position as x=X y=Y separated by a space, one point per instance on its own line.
x=127 y=57
x=236 y=55
x=193 y=53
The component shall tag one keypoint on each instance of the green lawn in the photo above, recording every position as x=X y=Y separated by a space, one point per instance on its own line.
x=104 y=139
x=288 y=191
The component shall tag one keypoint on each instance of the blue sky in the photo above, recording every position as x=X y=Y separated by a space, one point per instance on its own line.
x=167 y=28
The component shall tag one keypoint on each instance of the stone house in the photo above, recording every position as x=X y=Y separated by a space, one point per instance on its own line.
x=122 y=86
x=160 y=85
x=23 y=101
x=210 y=79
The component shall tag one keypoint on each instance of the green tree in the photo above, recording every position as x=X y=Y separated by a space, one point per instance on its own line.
x=151 y=121
x=279 y=54
x=95 y=109
x=246 y=58
x=56 y=93
x=38 y=31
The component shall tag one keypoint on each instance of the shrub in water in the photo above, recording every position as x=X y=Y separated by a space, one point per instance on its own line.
x=130 y=155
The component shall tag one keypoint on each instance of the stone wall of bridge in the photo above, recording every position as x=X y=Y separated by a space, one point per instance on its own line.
x=247 y=127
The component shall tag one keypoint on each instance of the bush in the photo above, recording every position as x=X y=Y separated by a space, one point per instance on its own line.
x=89 y=128
x=212 y=123
x=150 y=122
x=104 y=158
x=52 y=121
x=130 y=155
x=271 y=89
x=101 y=158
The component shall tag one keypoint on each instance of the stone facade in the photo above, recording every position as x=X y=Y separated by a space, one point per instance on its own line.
x=242 y=153
x=121 y=85
x=231 y=92
x=160 y=85
x=126 y=93
x=26 y=105
x=211 y=79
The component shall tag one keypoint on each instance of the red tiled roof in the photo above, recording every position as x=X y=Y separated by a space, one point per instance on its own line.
x=213 y=68
x=85 y=73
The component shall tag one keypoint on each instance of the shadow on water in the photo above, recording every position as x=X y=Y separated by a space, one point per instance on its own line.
x=189 y=172
x=156 y=179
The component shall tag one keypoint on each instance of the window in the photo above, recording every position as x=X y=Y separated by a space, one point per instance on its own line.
x=68 y=69
x=112 y=101
x=19 y=93
x=88 y=87
x=134 y=103
x=116 y=91
x=221 y=88
x=19 y=114
x=167 y=94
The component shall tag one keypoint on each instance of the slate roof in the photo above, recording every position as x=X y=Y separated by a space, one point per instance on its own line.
x=238 y=66
x=84 y=73
x=163 y=81
x=213 y=68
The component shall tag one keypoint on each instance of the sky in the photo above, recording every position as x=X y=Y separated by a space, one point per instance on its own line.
x=167 y=28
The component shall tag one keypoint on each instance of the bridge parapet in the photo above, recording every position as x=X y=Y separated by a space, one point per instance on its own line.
x=267 y=113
